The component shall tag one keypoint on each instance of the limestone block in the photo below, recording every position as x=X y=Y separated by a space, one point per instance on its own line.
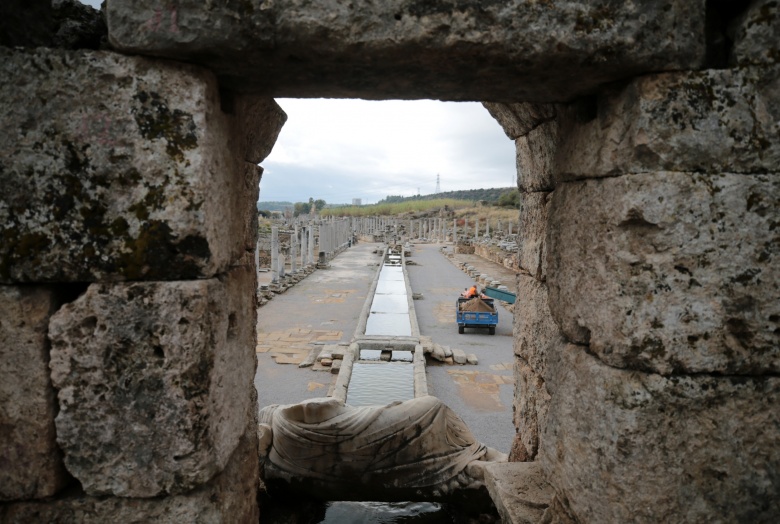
x=669 y=272
x=154 y=382
x=756 y=35
x=713 y=121
x=506 y=50
x=519 y=119
x=140 y=180
x=519 y=490
x=30 y=461
x=535 y=332
x=531 y=236
x=531 y=404
x=259 y=121
x=535 y=156
x=668 y=449
x=459 y=356
x=230 y=497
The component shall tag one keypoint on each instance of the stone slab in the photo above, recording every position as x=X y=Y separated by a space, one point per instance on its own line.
x=535 y=332
x=154 y=382
x=713 y=121
x=669 y=449
x=669 y=272
x=756 y=35
x=535 y=158
x=230 y=497
x=519 y=490
x=30 y=461
x=459 y=356
x=141 y=180
x=532 y=233
x=518 y=119
x=530 y=408
x=504 y=51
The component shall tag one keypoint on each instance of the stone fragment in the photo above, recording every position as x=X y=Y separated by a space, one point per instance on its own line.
x=535 y=332
x=696 y=448
x=459 y=356
x=531 y=404
x=713 y=121
x=683 y=269
x=756 y=35
x=531 y=238
x=472 y=359
x=230 y=497
x=153 y=382
x=327 y=362
x=519 y=490
x=335 y=367
x=503 y=51
x=30 y=461
x=447 y=351
x=535 y=156
x=438 y=353
x=519 y=119
x=147 y=159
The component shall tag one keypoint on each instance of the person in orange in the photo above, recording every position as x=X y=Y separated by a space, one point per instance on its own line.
x=471 y=292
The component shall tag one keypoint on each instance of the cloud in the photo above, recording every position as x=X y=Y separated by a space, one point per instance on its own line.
x=343 y=149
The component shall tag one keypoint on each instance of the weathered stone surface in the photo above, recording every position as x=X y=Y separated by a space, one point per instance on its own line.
x=532 y=233
x=535 y=332
x=77 y=26
x=518 y=119
x=714 y=121
x=626 y=446
x=229 y=498
x=154 y=382
x=535 y=155
x=756 y=34
x=504 y=51
x=30 y=461
x=669 y=272
x=531 y=403
x=519 y=490
x=140 y=180
x=459 y=356
x=25 y=23
x=259 y=120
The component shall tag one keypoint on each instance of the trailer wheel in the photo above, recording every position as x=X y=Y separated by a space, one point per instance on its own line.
x=492 y=330
x=461 y=329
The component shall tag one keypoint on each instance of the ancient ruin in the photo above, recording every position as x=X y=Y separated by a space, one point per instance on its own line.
x=647 y=326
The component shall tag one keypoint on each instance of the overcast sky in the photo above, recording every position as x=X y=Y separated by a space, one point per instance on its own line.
x=338 y=150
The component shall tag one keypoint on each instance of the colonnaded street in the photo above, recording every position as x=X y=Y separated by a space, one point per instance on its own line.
x=324 y=308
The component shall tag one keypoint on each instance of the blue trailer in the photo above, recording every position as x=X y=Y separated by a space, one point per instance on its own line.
x=476 y=319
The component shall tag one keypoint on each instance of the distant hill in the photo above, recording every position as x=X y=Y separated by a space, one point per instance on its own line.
x=274 y=206
x=490 y=195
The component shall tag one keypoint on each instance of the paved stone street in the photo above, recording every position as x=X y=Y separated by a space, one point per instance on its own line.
x=324 y=309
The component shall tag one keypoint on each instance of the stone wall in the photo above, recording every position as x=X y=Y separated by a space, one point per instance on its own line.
x=127 y=299
x=646 y=331
x=495 y=254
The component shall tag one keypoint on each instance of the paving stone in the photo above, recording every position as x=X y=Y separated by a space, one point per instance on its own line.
x=230 y=497
x=154 y=404
x=697 y=448
x=472 y=52
x=31 y=463
x=677 y=274
x=147 y=159
x=714 y=121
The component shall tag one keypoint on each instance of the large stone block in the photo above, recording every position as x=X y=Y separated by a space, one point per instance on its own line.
x=531 y=403
x=30 y=461
x=154 y=382
x=519 y=490
x=535 y=332
x=714 y=121
x=669 y=272
x=532 y=233
x=535 y=157
x=518 y=119
x=626 y=446
x=502 y=51
x=756 y=34
x=229 y=498
x=140 y=180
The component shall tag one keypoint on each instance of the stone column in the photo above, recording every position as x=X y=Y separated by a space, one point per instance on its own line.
x=274 y=254
x=310 y=253
x=294 y=251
